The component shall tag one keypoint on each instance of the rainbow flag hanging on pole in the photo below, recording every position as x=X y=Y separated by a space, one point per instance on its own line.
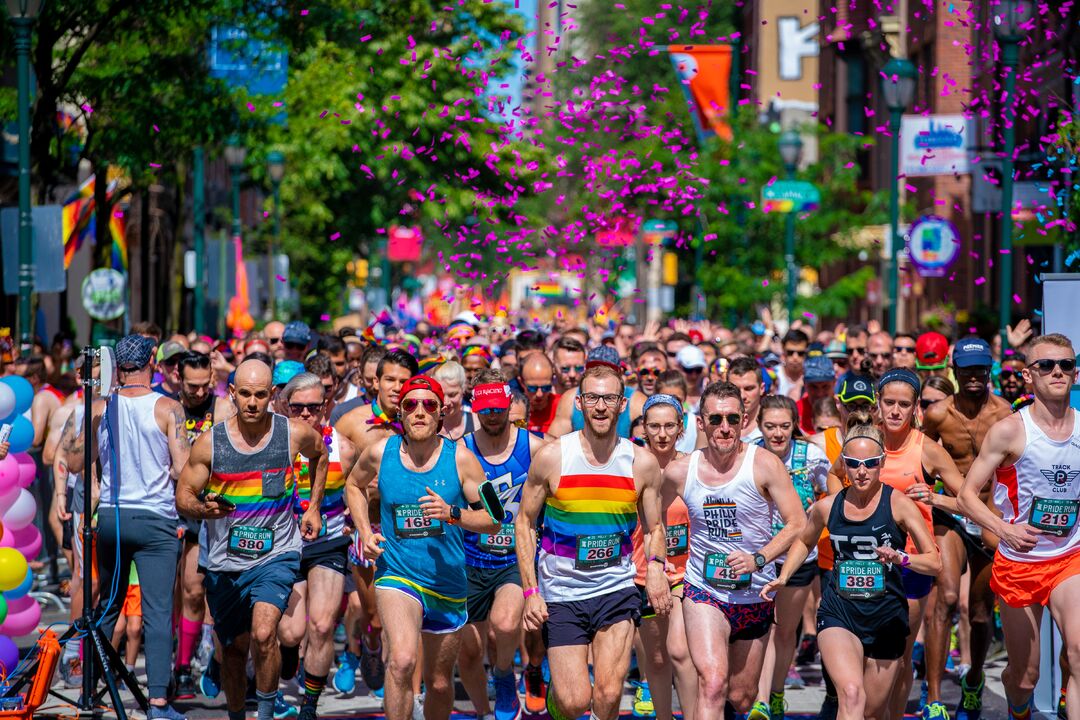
x=79 y=221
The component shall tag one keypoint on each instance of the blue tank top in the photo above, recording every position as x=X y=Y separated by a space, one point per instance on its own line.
x=426 y=552
x=497 y=551
x=622 y=427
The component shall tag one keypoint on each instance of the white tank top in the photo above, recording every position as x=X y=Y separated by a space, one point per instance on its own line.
x=723 y=519
x=1043 y=489
x=143 y=454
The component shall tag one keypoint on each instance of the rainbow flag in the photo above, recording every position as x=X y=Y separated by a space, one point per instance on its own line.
x=117 y=230
x=429 y=364
x=79 y=222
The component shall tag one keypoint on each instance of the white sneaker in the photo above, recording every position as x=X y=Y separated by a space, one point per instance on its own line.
x=418 y=707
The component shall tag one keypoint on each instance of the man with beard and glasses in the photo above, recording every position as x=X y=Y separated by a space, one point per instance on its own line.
x=570 y=418
x=428 y=487
x=505 y=453
x=960 y=423
x=732 y=490
x=593 y=487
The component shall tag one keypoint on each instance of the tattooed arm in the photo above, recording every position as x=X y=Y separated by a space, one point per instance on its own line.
x=170 y=411
x=73 y=441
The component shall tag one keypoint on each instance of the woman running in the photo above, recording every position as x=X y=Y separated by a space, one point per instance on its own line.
x=664 y=638
x=863 y=618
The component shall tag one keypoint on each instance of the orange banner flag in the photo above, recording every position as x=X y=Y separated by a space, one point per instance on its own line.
x=704 y=71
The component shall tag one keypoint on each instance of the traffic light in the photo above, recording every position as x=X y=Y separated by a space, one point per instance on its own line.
x=359 y=270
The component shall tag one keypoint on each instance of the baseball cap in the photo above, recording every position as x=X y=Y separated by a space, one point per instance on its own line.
x=603 y=355
x=491 y=396
x=422 y=382
x=856 y=387
x=467 y=316
x=972 y=352
x=836 y=350
x=170 y=350
x=818 y=368
x=296 y=332
x=133 y=352
x=286 y=370
x=690 y=357
x=931 y=351
x=770 y=359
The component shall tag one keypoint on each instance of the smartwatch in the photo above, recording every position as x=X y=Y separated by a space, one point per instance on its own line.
x=455 y=514
x=759 y=560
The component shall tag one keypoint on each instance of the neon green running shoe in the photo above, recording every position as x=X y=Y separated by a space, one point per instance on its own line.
x=760 y=711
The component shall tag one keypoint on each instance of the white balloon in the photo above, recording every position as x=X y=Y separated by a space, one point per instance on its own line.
x=22 y=511
x=8 y=499
x=7 y=401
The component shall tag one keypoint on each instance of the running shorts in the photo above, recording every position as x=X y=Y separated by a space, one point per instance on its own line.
x=748 y=621
x=916 y=585
x=1022 y=584
x=884 y=641
x=441 y=613
x=330 y=554
x=231 y=596
x=483 y=584
x=802 y=577
x=576 y=622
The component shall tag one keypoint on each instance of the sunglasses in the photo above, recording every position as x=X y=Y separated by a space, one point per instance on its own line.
x=732 y=419
x=564 y=369
x=312 y=408
x=1046 y=366
x=491 y=411
x=671 y=354
x=648 y=372
x=852 y=351
x=1010 y=375
x=532 y=389
x=795 y=353
x=880 y=356
x=410 y=404
x=924 y=404
x=904 y=349
x=691 y=371
x=870 y=463
x=273 y=341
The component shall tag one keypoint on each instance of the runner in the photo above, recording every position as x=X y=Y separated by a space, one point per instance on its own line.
x=790 y=372
x=863 y=618
x=808 y=467
x=1031 y=455
x=420 y=582
x=820 y=384
x=569 y=356
x=536 y=377
x=240 y=480
x=879 y=348
x=731 y=491
x=593 y=487
x=569 y=416
x=664 y=637
x=960 y=423
x=495 y=601
x=315 y=603
x=745 y=374
x=1011 y=378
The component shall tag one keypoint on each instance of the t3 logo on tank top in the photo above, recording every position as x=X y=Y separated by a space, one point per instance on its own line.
x=1060 y=477
x=721 y=518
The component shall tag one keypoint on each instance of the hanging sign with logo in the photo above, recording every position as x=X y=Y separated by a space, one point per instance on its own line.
x=103 y=294
x=933 y=244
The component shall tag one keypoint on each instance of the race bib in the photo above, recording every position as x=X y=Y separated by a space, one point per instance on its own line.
x=409 y=522
x=500 y=543
x=595 y=552
x=251 y=542
x=720 y=576
x=1056 y=516
x=676 y=540
x=860 y=579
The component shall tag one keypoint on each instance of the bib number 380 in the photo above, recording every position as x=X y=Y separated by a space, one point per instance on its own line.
x=251 y=542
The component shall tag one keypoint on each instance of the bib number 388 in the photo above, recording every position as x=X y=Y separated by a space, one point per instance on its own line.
x=860 y=579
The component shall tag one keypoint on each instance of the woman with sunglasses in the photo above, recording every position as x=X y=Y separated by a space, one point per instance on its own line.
x=912 y=465
x=863 y=617
x=808 y=467
x=664 y=638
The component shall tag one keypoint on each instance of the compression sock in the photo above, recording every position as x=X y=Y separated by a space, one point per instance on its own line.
x=313 y=687
x=1020 y=712
x=266 y=704
x=290 y=661
x=190 y=630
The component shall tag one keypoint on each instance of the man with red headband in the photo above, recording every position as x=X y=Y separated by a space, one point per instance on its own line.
x=505 y=453
x=420 y=583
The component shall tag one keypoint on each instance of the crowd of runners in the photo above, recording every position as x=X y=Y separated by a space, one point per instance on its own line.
x=531 y=510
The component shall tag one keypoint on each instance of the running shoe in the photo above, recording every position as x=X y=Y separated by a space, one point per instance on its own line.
x=282 y=709
x=210 y=680
x=807 y=650
x=418 y=707
x=491 y=684
x=345 y=677
x=165 y=712
x=970 y=707
x=339 y=633
x=185 y=683
x=777 y=706
x=760 y=711
x=830 y=706
x=935 y=711
x=793 y=679
x=308 y=712
x=535 y=690
x=643 y=704
x=372 y=669
x=71 y=672
x=507 y=703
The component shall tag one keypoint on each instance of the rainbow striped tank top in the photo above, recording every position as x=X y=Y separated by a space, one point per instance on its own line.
x=333 y=505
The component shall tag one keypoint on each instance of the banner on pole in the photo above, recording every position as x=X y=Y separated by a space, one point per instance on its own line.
x=704 y=71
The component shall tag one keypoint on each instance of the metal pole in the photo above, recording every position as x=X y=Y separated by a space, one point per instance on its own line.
x=895 y=117
x=789 y=256
x=386 y=271
x=23 y=33
x=89 y=686
x=236 y=229
x=199 y=231
x=1010 y=58
x=275 y=241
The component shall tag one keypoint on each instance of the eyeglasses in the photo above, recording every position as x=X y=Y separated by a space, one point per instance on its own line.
x=795 y=353
x=666 y=427
x=430 y=406
x=491 y=411
x=904 y=349
x=870 y=463
x=533 y=389
x=592 y=399
x=924 y=403
x=1046 y=366
x=648 y=372
x=564 y=369
x=732 y=419
x=273 y=341
x=1010 y=375
x=312 y=408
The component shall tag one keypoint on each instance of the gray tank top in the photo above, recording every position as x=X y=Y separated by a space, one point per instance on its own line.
x=261 y=485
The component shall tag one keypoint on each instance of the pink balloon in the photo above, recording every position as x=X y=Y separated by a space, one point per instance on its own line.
x=22 y=511
x=7 y=499
x=22 y=623
x=9 y=473
x=19 y=605
x=27 y=541
x=27 y=469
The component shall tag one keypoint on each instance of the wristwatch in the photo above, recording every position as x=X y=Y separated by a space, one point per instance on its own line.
x=759 y=560
x=455 y=514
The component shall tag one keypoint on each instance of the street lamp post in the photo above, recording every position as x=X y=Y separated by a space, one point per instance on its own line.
x=1008 y=27
x=276 y=165
x=898 y=86
x=235 y=155
x=790 y=153
x=23 y=13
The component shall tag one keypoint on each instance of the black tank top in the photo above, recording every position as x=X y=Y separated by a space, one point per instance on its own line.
x=859 y=587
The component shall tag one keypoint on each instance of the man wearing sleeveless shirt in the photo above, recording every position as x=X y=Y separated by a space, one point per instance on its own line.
x=254 y=542
x=420 y=584
x=505 y=453
x=593 y=487
x=1034 y=458
x=142 y=447
x=731 y=490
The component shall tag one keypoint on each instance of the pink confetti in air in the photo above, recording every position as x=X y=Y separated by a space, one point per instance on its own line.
x=335 y=236
x=324 y=317
x=155 y=128
x=86 y=107
x=155 y=165
x=764 y=283
x=303 y=12
x=279 y=278
x=1016 y=299
x=980 y=280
